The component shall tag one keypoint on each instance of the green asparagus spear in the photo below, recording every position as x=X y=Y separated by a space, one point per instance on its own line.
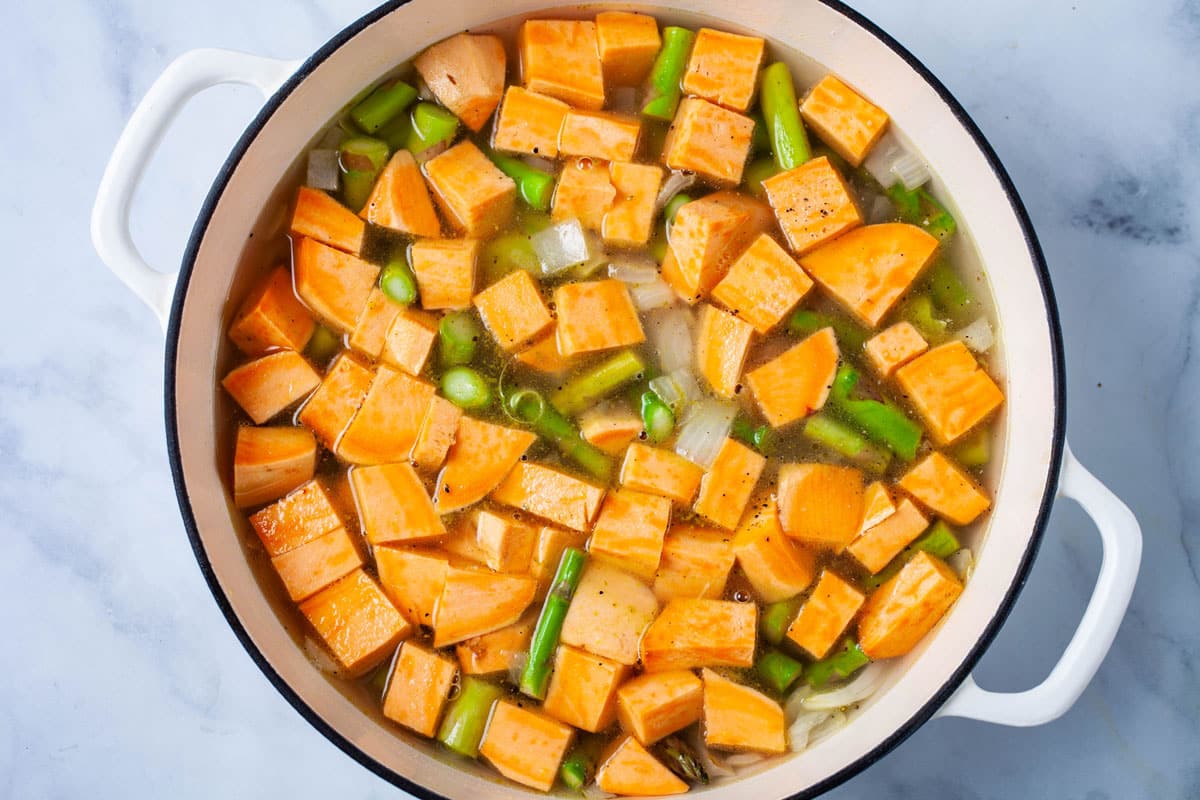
x=760 y=437
x=383 y=105
x=674 y=204
x=397 y=281
x=431 y=125
x=579 y=767
x=666 y=76
x=323 y=345
x=466 y=388
x=585 y=389
x=680 y=759
x=535 y=186
x=919 y=207
x=536 y=675
x=527 y=406
x=919 y=311
x=938 y=541
x=758 y=171
x=789 y=142
x=458 y=338
x=362 y=159
x=467 y=716
x=840 y=438
x=976 y=449
x=837 y=666
x=778 y=670
x=506 y=253
x=657 y=418
x=776 y=617
x=850 y=336
x=881 y=422
x=950 y=294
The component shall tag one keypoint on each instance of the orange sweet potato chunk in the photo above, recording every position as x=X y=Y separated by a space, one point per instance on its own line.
x=950 y=389
x=525 y=746
x=370 y=332
x=776 y=566
x=270 y=462
x=894 y=347
x=723 y=68
x=445 y=270
x=419 y=687
x=296 y=519
x=629 y=531
x=726 y=488
x=812 y=203
x=711 y=141
x=629 y=219
x=335 y=402
x=356 y=621
x=543 y=355
x=706 y=236
x=722 y=343
x=505 y=541
x=628 y=44
x=763 y=285
x=825 y=614
x=868 y=269
x=737 y=717
x=596 y=134
x=333 y=284
x=271 y=317
x=529 y=122
x=584 y=192
x=901 y=611
x=656 y=704
x=595 y=315
x=939 y=485
x=481 y=456
x=319 y=216
x=583 y=689
x=389 y=420
x=412 y=579
x=694 y=632
x=476 y=601
x=550 y=494
x=843 y=118
x=796 y=383
x=438 y=432
x=499 y=650
x=268 y=385
x=561 y=58
x=513 y=310
x=627 y=768
x=820 y=504
x=314 y=565
x=609 y=613
x=610 y=427
x=409 y=340
x=660 y=471
x=472 y=191
x=878 y=505
x=466 y=74
x=695 y=563
x=879 y=544
x=393 y=506
x=400 y=199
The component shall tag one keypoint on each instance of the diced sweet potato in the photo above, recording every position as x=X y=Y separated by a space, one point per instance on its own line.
x=413 y=580
x=525 y=746
x=298 y=518
x=737 y=717
x=561 y=58
x=950 y=390
x=410 y=340
x=631 y=216
x=942 y=487
x=506 y=541
x=723 y=68
x=812 y=203
x=393 y=506
x=796 y=383
x=629 y=531
x=476 y=601
x=711 y=141
x=472 y=191
x=270 y=462
x=584 y=192
x=820 y=504
x=628 y=44
x=529 y=122
x=878 y=505
x=656 y=704
x=268 y=385
x=596 y=134
x=583 y=689
x=370 y=332
x=513 y=310
x=482 y=454
x=386 y=426
x=271 y=317
x=356 y=621
x=400 y=199
x=825 y=614
x=595 y=315
x=894 y=347
x=706 y=236
x=868 y=269
x=499 y=650
x=660 y=471
x=461 y=541
x=445 y=270
x=610 y=427
x=335 y=402
x=420 y=684
x=466 y=74
x=844 y=120
x=763 y=284
x=333 y=284
x=627 y=768
x=318 y=216
x=695 y=563
x=721 y=347
x=609 y=612
x=550 y=494
x=726 y=488
x=314 y=565
x=692 y=633
x=878 y=545
x=901 y=611
x=547 y=552
x=543 y=355
x=437 y=434
x=776 y=566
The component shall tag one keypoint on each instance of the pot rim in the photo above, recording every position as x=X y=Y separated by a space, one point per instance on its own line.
x=923 y=714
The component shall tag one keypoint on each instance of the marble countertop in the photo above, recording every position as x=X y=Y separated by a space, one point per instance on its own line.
x=122 y=679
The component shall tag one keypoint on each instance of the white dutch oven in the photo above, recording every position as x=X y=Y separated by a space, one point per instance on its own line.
x=932 y=681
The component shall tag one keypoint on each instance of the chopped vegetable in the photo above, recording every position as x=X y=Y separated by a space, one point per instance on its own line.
x=579 y=767
x=381 y=105
x=975 y=449
x=682 y=760
x=850 y=335
x=530 y=408
x=466 y=388
x=758 y=171
x=778 y=670
x=657 y=417
x=919 y=207
x=398 y=282
x=323 y=345
x=920 y=312
x=462 y=728
x=673 y=205
x=678 y=389
x=789 y=142
x=881 y=422
x=951 y=295
x=323 y=171
x=704 y=429
x=536 y=675
x=844 y=119
x=535 y=186
x=432 y=125
x=776 y=617
x=362 y=159
x=837 y=666
x=507 y=253
x=458 y=338
x=586 y=388
x=564 y=245
x=760 y=437
x=827 y=431
x=666 y=75
x=670 y=333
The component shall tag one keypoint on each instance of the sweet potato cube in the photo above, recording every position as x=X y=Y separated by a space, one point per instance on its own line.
x=314 y=565
x=387 y=424
x=878 y=505
x=631 y=216
x=482 y=454
x=595 y=315
x=298 y=518
x=656 y=704
x=629 y=769
x=878 y=545
x=393 y=506
x=660 y=471
x=333 y=284
x=417 y=691
x=319 y=216
x=513 y=310
x=413 y=580
x=628 y=44
x=561 y=58
x=868 y=269
x=547 y=552
x=950 y=390
x=693 y=632
x=610 y=427
x=812 y=203
x=410 y=340
x=525 y=746
x=356 y=621
x=529 y=122
x=596 y=134
x=941 y=486
x=763 y=285
x=400 y=199
x=584 y=192
x=445 y=270
x=472 y=191
x=609 y=612
x=629 y=531
x=543 y=355
x=723 y=68
x=726 y=488
x=843 y=118
x=437 y=434
x=550 y=494
x=825 y=614
x=820 y=504
x=476 y=601
x=506 y=542
x=461 y=541
x=497 y=651
x=776 y=566
x=270 y=462
x=901 y=611
x=271 y=317
x=894 y=347
x=695 y=563
x=268 y=385
x=706 y=236
x=370 y=332
x=466 y=75
x=737 y=717
x=583 y=689
x=796 y=383
x=711 y=141
x=721 y=347
x=333 y=405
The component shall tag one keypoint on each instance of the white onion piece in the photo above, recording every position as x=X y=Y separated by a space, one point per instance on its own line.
x=977 y=336
x=675 y=183
x=594 y=792
x=652 y=295
x=561 y=246
x=881 y=210
x=911 y=171
x=802 y=727
x=331 y=138
x=677 y=389
x=634 y=271
x=858 y=689
x=713 y=764
x=319 y=657
x=670 y=334
x=537 y=162
x=623 y=99
x=704 y=430
x=423 y=90
x=794 y=707
x=962 y=562
x=323 y=170
x=836 y=721
x=740 y=761
x=889 y=162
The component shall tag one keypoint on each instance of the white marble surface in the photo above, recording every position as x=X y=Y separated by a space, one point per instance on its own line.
x=120 y=678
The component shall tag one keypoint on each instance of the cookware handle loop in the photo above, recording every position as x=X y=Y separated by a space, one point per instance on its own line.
x=1122 y=540
x=186 y=76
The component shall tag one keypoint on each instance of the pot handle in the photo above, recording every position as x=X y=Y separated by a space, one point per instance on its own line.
x=1122 y=541
x=186 y=76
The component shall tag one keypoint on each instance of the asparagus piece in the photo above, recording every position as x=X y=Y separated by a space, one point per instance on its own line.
x=680 y=759
x=778 y=670
x=919 y=207
x=431 y=125
x=362 y=159
x=506 y=253
x=579 y=767
x=776 y=617
x=527 y=406
x=920 y=312
x=535 y=186
x=841 y=439
x=382 y=105
x=760 y=437
x=789 y=142
x=976 y=449
x=467 y=716
x=850 y=336
x=466 y=388
x=938 y=541
x=585 y=389
x=666 y=76
x=536 y=675
x=950 y=294
x=323 y=345
x=881 y=422
x=760 y=140
x=458 y=337
x=397 y=281
x=657 y=418
x=758 y=171
x=837 y=666
x=674 y=204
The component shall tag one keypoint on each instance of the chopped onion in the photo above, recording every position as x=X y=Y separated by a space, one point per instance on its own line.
x=652 y=295
x=323 y=170
x=962 y=562
x=319 y=656
x=331 y=138
x=794 y=706
x=623 y=100
x=633 y=271
x=881 y=210
x=675 y=183
x=911 y=171
x=802 y=727
x=594 y=792
x=977 y=336
x=670 y=333
x=890 y=162
x=713 y=764
x=537 y=162
x=739 y=761
x=677 y=389
x=561 y=246
x=858 y=689
x=704 y=430
x=835 y=722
